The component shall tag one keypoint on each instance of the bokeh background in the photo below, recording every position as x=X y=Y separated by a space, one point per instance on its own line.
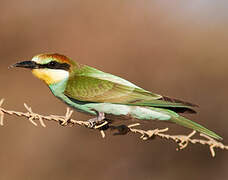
x=175 y=48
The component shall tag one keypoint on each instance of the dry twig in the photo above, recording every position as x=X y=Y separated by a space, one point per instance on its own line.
x=181 y=140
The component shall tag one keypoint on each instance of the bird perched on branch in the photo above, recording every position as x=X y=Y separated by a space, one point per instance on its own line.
x=104 y=95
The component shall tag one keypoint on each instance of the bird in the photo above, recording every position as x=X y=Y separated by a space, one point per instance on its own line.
x=107 y=96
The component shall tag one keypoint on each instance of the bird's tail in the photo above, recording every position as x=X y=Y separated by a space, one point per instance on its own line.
x=195 y=126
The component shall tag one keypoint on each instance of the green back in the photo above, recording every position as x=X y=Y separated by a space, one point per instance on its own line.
x=89 y=84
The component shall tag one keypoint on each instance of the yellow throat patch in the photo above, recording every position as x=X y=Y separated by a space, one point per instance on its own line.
x=50 y=76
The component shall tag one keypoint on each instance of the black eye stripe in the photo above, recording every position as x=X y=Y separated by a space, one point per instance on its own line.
x=54 y=65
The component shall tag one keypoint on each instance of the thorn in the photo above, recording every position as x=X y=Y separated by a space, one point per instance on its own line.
x=101 y=125
x=192 y=134
x=102 y=133
x=28 y=108
x=162 y=130
x=69 y=113
x=1 y=118
x=133 y=125
x=1 y=102
x=42 y=122
x=1 y=113
x=67 y=118
x=145 y=138
x=31 y=120
x=207 y=137
x=212 y=150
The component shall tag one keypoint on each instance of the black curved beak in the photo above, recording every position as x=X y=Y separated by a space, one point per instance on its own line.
x=25 y=64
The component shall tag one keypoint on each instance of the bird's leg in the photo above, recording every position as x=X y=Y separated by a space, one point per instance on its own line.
x=94 y=121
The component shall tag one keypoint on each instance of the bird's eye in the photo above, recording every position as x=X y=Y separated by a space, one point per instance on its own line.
x=52 y=64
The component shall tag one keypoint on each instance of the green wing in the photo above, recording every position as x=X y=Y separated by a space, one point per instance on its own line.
x=92 y=85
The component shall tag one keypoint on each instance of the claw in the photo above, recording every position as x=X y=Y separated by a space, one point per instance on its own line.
x=97 y=120
x=92 y=123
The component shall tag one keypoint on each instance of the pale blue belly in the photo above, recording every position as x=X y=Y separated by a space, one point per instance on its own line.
x=135 y=112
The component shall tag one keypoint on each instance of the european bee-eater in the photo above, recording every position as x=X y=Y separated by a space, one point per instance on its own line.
x=107 y=96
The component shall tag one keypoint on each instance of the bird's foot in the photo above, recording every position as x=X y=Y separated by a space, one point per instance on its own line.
x=92 y=123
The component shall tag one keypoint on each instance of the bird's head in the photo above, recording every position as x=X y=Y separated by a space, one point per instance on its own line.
x=51 y=68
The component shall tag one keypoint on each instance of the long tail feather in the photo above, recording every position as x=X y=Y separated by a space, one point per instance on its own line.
x=174 y=100
x=195 y=126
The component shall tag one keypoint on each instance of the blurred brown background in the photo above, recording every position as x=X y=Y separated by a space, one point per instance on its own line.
x=175 y=48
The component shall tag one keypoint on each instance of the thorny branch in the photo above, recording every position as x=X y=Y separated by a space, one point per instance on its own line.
x=181 y=140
